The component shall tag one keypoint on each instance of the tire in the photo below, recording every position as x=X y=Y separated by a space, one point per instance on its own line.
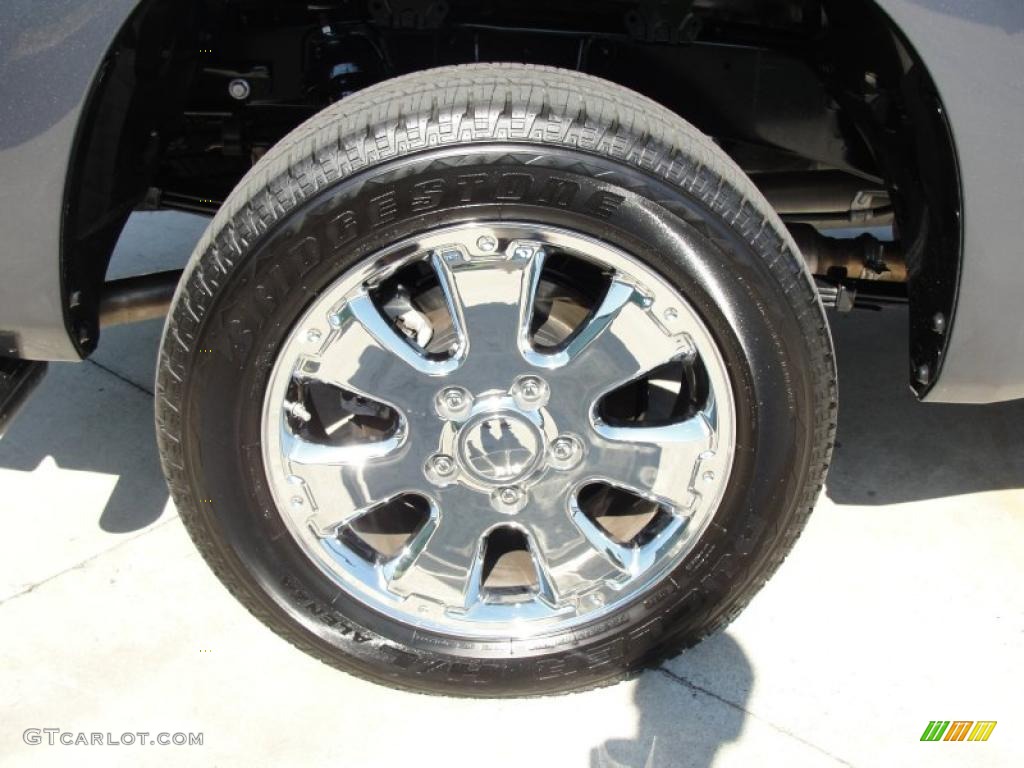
x=444 y=148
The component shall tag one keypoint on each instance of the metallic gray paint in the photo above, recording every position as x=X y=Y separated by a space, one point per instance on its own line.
x=50 y=51
x=975 y=53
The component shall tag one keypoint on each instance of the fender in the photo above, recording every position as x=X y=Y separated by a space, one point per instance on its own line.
x=973 y=52
x=50 y=54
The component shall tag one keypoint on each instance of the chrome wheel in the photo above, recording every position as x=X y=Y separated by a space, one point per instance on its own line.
x=498 y=430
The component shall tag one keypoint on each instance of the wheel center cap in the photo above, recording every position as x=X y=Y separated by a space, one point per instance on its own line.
x=499 y=447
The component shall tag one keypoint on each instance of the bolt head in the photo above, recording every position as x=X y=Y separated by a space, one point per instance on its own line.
x=923 y=373
x=522 y=252
x=670 y=314
x=297 y=502
x=709 y=476
x=939 y=322
x=313 y=335
x=239 y=89
x=487 y=244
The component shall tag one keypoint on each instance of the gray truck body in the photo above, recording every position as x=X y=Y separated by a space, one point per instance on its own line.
x=51 y=52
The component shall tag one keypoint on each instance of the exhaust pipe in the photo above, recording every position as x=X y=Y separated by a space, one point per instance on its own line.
x=134 y=299
x=859 y=258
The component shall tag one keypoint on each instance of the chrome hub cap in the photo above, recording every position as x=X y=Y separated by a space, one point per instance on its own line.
x=496 y=430
x=500 y=447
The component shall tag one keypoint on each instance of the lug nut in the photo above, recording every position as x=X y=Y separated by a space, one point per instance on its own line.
x=508 y=500
x=453 y=403
x=440 y=469
x=508 y=496
x=566 y=452
x=487 y=244
x=562 y=448
x=530 y=392
x=443 y=465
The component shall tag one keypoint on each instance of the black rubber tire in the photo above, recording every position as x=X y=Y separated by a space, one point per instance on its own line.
x=442 y=146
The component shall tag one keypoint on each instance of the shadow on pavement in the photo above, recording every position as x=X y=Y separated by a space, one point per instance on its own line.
x=99 y=418
x=678 y=724
x=88 y=421
x=890 y=447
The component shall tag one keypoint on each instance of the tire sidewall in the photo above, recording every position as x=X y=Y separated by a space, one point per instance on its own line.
x=709 y=260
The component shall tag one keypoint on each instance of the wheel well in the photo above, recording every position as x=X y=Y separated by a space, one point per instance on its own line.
x=192 y=94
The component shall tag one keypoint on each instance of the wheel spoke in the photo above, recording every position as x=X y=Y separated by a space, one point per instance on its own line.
x=338 y=484
x=568 y=559
x=444 y=562
x=491 y=302
x=367 y=355
x=655 y=462
x=618 y=343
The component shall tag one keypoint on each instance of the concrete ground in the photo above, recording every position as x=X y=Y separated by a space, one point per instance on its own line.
x=901 y=604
